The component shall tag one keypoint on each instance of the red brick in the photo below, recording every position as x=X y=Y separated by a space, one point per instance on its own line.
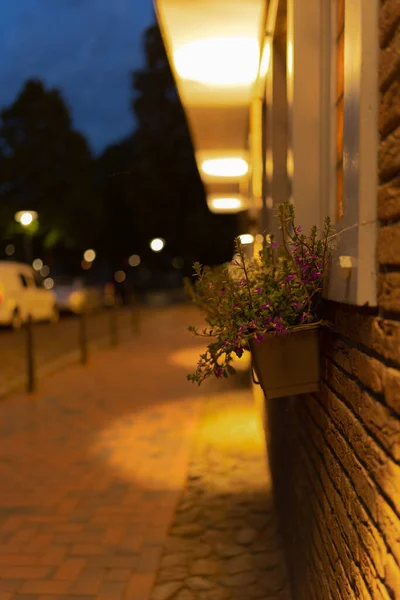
x=24 y=572
x=45 y=587
x=140 y=586
x=70 y=569
x=88 y=582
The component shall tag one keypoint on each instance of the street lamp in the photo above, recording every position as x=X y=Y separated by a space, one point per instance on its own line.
x=157 y=244
x=25 y=218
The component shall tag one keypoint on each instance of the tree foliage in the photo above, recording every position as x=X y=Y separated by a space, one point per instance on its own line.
x=45 y=165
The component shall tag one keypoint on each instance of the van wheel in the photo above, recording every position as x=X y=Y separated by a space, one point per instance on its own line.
x=16 y=321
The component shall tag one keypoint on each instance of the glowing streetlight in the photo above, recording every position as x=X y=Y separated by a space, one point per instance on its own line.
x=157 y=244
x=225 y=203
x=26 y=217
x=89 y=255
x=48 y=283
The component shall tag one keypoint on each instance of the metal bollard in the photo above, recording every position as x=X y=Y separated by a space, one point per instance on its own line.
x=30 y=358
x=83 y=341
x=113 y=326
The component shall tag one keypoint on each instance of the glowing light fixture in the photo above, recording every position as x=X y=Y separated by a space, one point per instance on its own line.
x=157 y=244
x=219 y=61
x=89 y=255
x=225 y=203
x=37 y=264
x=225 y=167
x=246 y=238
x=26 y=217
x=48 y=283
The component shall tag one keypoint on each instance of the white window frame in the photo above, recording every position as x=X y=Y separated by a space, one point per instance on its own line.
x=312 y=117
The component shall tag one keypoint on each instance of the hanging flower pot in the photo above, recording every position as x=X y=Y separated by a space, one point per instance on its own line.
x=288 y=365
x=268 y=304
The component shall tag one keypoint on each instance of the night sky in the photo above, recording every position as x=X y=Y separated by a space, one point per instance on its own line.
x=87 y=48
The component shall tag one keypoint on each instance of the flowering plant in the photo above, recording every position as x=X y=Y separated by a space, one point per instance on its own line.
x=272 y=293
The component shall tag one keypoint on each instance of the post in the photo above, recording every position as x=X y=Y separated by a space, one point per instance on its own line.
x=83 y=342
x=113 y=326
x=30 y=359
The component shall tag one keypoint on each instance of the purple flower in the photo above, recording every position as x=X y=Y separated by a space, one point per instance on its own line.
x=259 y=338
x=242 y=328
x=224 y=344
x=274 y=245
x=290 y=277
x=238 y=351
x=297 y=306
x=219 y=372
x=258 y=290
x=241 y=283
x=267 y=304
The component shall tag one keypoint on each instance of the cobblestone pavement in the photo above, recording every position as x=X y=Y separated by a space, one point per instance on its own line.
x=223 y=544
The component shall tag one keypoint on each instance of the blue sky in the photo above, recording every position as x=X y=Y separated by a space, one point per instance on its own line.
x=87 y=48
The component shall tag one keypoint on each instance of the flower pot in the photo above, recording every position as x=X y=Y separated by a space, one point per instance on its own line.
x=288 y=365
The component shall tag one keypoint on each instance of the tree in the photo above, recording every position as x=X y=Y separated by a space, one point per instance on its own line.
x=169 y=194
x=46 y=166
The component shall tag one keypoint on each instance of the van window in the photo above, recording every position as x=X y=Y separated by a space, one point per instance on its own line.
x=26 y=280
x=23 y=280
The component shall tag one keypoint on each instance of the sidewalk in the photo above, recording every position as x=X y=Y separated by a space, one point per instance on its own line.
x=93 y=468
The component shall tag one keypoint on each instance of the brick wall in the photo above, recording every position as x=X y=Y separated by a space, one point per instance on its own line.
x=335 y=456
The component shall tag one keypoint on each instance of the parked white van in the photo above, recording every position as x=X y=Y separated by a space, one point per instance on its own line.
x=22 y=294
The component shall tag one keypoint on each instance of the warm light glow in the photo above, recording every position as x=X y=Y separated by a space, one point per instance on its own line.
x=44 y=271
x=134 y=260
x=225 y=204
x=89 y=256
x=259 y=238
x=48 y=283
x=290 y=58
x=10 y=249
x=265 y=59
x=37 y=264
x=225 y=167
x=26 y=217
x=246 y=238
x=220 y=61
x=120 y=276
x=157 y=244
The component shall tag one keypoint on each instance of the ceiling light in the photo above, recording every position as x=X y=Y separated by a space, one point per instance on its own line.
x=220 y=61
x=225 y=204
x=225 y=167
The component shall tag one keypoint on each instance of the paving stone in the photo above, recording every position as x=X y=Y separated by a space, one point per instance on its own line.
x=204 y=566
x=172 y=574
x=199 y=584
x=166 y=591
x=185 y=595
x=246 y=536
x=202 y=550
x=239 y=579
x=188 y=531
x=218 y=593
x=228 y=550
x=174 y=560
x=239 y=564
